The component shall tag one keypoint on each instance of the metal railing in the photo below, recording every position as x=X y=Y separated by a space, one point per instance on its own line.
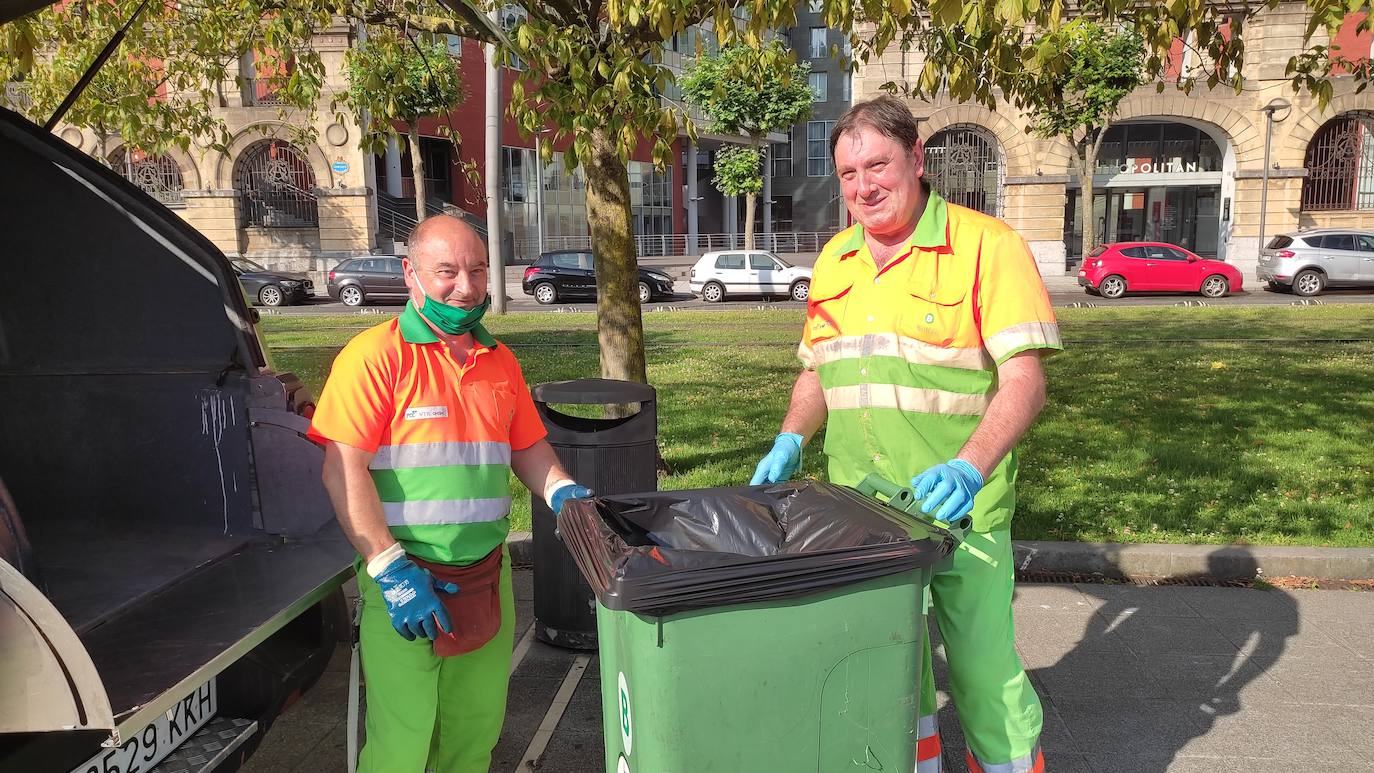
x=275 y=185
x=1340 y=175
x=396 y=217
x=677 y=244
x=261 y=92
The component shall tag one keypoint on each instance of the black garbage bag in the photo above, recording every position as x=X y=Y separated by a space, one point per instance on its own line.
x=672 y=551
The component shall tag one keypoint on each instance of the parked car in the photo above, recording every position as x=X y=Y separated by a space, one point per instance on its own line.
x=1112 y=270
x=748 y=272
x=572 y=274
x=272 y=288
x=371 y=277
x=1308 y=262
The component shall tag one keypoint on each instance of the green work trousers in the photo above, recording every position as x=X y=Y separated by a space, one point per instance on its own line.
x=424 y=712
x=997 y=706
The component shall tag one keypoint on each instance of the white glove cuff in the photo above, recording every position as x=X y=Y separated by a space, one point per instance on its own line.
x=552 y=487
x=378 y=563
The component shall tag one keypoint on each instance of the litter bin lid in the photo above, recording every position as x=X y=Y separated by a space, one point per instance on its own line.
x=673 y=551
x=594 y=391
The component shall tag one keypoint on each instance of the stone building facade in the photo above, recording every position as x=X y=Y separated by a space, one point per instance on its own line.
x=1187 y=169
x=272 y=197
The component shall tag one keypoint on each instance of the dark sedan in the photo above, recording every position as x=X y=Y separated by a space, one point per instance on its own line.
x=272 y=288
x=365 y=279
x=569 y=274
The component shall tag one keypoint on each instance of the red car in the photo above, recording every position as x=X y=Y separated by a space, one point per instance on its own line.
x=1112 y=270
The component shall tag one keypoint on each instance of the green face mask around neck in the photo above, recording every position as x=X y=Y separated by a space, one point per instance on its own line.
x=457 y=321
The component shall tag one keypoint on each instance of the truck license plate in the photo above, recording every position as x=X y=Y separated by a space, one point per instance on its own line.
x=146 y=748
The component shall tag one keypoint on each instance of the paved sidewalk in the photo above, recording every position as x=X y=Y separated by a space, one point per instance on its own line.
x=1134 y=679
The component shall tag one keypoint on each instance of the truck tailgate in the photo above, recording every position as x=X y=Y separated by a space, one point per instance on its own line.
x=152 y=655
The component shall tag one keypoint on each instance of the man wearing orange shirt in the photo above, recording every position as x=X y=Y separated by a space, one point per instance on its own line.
x=423 y=419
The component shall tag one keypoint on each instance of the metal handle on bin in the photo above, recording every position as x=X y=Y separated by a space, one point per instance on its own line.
x=903 y=499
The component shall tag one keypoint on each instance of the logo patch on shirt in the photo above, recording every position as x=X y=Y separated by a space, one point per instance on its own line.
x=427 y=412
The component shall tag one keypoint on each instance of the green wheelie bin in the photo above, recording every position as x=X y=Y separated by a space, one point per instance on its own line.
x=770 y=628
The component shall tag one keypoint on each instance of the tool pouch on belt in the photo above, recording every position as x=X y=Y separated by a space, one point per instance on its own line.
x=475 y=609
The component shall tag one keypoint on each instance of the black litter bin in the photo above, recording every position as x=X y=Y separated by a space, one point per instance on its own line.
x=609 y=456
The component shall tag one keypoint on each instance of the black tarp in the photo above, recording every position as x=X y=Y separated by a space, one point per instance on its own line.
x=673 y=551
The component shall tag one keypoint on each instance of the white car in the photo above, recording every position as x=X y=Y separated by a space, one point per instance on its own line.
x=748 y=272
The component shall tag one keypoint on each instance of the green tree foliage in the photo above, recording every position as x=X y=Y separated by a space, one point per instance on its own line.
x=595 y=72
x=752 y=92
x=1103 y=68
x=161 y=86
x=158 y=90
x=737 y=171
x=398 y=78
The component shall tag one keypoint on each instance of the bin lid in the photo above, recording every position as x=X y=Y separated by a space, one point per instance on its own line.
x=594 y=391
x=672 y=551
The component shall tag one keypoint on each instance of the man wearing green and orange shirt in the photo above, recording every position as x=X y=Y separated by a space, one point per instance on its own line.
x=423 y=419
x=921 y=356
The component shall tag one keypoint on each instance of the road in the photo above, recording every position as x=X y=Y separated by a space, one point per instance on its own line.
x=1064 y=292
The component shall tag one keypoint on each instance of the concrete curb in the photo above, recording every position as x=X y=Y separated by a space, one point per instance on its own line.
x=1222 y=562
x=1125 y=560
x=520 y=548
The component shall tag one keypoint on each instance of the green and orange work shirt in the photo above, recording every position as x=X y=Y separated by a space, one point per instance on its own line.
x=441 y=431
x=907 y=355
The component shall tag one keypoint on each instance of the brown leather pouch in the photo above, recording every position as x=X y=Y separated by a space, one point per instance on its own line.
x=475 y=609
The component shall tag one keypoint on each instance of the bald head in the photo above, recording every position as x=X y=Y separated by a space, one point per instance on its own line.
x=447 y=261
x=442 y=237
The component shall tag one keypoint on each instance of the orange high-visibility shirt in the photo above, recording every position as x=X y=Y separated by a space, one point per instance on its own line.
x=442 y=432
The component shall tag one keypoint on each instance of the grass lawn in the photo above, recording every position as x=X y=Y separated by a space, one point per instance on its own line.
x=1245 y=425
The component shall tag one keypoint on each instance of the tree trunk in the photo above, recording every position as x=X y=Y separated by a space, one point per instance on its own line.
x=619 y=325
x=417 y=170
x=1092 y=144
x=751 y=203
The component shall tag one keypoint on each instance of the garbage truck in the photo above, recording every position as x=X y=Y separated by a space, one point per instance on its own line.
x=170 y=567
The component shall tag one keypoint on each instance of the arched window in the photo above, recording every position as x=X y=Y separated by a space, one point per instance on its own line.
x=1340 y=165
x=158 y=175
x=277 y=187
x=964 y=165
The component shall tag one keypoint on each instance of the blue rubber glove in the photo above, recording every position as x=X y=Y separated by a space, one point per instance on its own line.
x=565 y=492
x=782 y=462
x=954 y=483
x=412 y=600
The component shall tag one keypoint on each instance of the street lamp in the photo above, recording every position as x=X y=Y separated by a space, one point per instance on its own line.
x=1284 y=107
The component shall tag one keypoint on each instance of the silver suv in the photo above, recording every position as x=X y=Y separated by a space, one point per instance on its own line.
x=1311 y=261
